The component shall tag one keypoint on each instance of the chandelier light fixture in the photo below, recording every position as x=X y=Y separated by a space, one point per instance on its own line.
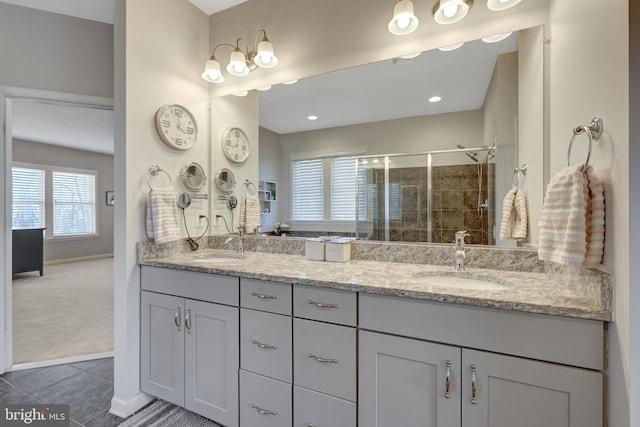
x=241 y=61
x=444 y=12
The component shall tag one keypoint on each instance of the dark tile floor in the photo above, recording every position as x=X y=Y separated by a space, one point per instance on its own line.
x=86 y=386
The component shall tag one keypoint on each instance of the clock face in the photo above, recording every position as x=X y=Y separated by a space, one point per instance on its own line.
x=176 y=126
x=235 y=145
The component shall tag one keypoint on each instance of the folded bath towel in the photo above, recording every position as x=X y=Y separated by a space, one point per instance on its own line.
x=514 y=215
x=250 y=213
x=573 y=218
x=162 y=215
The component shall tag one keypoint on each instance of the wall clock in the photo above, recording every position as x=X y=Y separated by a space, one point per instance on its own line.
x=235 y=145
x=176 y=126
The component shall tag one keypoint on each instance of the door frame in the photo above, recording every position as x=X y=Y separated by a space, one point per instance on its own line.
x=8 y=95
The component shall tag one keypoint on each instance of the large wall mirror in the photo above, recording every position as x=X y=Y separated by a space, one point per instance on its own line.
x=385 y=108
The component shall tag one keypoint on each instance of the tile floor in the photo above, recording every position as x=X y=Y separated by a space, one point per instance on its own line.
x=86 y=386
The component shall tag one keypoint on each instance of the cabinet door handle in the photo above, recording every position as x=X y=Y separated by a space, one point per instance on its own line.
x=322 y=305
x=267 y=346
x=177 y=319
x=321 y=359
x=263 y=411
x=187 y=321
x=263 y=296
x=474 y=389
x=447 y=382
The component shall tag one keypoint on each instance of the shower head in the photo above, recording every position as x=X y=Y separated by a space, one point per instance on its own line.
x=472 y=154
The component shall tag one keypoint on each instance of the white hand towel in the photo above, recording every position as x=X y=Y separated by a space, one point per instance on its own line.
x=572 y=223
x=508 y=215
x=162 y=215
x=521 y=224
x=250 y=213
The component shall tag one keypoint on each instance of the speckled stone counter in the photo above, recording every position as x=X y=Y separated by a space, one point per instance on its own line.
x=582 y=294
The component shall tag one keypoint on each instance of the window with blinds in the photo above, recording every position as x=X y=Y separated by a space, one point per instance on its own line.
x=28 y=206
x=74 y=204
x=307 y=181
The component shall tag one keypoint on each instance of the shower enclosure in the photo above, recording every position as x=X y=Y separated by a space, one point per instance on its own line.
x=427 y=197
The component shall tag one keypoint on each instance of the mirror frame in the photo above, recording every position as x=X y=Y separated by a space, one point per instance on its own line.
x=225 y=181
x=186 y=176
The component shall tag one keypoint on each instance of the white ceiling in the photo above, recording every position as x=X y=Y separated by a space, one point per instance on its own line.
x=380 y=91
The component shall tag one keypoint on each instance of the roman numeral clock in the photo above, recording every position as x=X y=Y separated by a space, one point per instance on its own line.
x=235 y=145
x=176 y=126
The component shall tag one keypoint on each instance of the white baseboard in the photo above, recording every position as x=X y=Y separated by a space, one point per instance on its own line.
x=77 y=259
x=61 y=361
x=126 y=408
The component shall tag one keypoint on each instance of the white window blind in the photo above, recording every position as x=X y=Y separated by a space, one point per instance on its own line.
x=343 y=189
x=307 y=190
x=28 y=207
x=74 y=204
x=395 y=201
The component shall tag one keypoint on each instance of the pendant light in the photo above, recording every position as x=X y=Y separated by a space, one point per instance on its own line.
x=404 y=21
x=450 y=11
x=501 y=4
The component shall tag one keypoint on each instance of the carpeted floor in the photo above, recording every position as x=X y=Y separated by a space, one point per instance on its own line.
x=164 y=414
x=67 y=312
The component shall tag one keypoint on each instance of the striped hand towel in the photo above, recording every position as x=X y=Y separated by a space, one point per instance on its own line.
x=250 y=213
x=162 y=215
x=514 y=215
x=572 y=223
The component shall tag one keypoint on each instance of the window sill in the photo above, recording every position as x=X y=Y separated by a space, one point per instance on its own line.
x=70 y=238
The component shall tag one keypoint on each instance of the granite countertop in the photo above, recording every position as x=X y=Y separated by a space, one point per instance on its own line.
x=516 y=291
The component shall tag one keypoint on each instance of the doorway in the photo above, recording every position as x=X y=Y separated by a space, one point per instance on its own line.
x=37 y=124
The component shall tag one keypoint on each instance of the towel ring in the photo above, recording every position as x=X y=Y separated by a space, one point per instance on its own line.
x=593 y=131
x=154 y=170
x=248 y=184
x=516 y=171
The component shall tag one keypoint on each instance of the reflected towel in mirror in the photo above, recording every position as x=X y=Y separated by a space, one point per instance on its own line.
x=250 y=213
x=515 y=220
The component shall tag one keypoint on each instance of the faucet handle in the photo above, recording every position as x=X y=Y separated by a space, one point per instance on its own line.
x=460 y=235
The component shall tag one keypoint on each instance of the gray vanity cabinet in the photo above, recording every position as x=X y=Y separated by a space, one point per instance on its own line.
x=403 y=372
x=189 y=347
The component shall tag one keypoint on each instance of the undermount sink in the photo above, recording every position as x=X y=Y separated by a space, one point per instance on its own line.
x=219 y=260
x=460 y=282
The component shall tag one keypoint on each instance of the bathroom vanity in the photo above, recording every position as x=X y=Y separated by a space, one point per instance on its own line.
x=368 y=343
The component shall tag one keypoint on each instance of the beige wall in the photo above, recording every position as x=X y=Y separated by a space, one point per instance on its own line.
x=51 y=155
x=272 y=167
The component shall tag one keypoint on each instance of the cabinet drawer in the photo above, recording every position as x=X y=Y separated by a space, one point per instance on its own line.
x=327 y=305
x=266 y=296
x=576 y=342
x=264 y=402
x=311 y=408
x=324 y=358
x=265 y=344
x=189 y=284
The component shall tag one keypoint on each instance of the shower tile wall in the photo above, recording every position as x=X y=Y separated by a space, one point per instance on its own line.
x=454 y=199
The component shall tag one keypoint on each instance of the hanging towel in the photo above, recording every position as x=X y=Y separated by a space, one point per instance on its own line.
x=162 y=215
x=508 y=215
x=522 y=216
x=573 y=218
x=250 y=213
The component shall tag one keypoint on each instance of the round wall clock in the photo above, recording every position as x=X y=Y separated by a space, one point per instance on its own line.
x=176 y=126
x=235 y=145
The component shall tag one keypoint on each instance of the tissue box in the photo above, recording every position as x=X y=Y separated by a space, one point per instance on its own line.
x=338 y=250
x=314 y=249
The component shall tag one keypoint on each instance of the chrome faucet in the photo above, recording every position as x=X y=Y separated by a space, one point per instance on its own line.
x=459 y=255
x=240 y=238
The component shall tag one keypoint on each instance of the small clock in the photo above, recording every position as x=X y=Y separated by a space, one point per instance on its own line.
x=176 y=126
x=235 y=145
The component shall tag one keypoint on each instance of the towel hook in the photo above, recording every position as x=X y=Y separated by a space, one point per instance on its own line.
x=516 y=171
x=154 y=170
x=593 y=131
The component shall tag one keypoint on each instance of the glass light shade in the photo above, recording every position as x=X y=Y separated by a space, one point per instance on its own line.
x=212 y=72
x=450 y=11
x=501 y=4
x=237 y=64
x=496 y=38
x=451 y=47
x=404 y=21
x=265 y=58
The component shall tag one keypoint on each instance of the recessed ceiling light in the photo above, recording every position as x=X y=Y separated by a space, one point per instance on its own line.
x=263 y=88
x=450 y=47
x=241 y=93
x=435 y=99
x=312 y=117
x=290 y=82
x=496 y=38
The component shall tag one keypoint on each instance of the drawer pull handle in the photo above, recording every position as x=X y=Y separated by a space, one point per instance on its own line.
x=447 y=382
x=321 y=359
x=322 y=305
x=187 y=321
x=263 y=411
x=263 y=296
x=177 y=319
x=267 y=346
x=474 y=389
